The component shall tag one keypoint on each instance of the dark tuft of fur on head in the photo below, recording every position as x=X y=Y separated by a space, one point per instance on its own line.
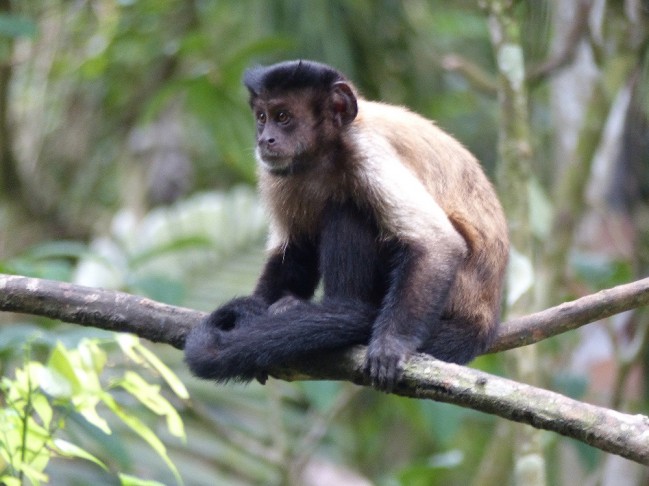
x=290 y=75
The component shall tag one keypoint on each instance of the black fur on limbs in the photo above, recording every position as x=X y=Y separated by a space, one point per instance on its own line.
x=277 y=325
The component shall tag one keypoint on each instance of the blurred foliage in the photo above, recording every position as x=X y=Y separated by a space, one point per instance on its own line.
x=98 y=73
x=126 y=160
x=40 y=398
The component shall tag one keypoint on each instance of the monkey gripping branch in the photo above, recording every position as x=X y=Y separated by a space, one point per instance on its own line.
x=424 y=377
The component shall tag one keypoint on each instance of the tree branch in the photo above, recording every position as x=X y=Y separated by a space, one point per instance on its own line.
x=565 y=317
x=480 y=79
x=611 y=431
x=567 y=51
x=424 y=377
x=105 y=309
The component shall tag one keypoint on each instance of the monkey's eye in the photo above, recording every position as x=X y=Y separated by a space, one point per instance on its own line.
x=261 y=117
x=283 y=117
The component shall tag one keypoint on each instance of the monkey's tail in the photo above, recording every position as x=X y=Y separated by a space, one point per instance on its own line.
x=249 y=351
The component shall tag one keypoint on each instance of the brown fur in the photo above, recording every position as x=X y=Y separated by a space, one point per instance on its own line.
x=441 y=174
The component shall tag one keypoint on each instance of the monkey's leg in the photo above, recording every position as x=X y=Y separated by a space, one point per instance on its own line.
x=458 y=340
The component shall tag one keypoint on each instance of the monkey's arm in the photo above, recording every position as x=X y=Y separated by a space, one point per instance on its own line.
x=291 y=270
x=428 y=252
x=419 y=285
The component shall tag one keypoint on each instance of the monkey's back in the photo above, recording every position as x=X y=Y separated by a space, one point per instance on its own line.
x=455 y=179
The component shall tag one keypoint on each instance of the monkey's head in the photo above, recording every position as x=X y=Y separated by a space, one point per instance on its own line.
x=301 y=109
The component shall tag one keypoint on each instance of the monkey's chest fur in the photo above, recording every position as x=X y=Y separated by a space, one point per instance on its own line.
x=296 y=202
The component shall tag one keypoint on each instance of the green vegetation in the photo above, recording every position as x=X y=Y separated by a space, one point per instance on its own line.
x=126 y=161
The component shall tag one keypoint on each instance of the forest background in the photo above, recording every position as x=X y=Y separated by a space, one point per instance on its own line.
x=126 y=162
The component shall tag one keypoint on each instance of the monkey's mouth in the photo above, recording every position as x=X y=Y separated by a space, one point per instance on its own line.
x=273 y=161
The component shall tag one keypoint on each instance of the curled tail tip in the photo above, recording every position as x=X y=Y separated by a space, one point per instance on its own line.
x=208 y=360
x=217 y=372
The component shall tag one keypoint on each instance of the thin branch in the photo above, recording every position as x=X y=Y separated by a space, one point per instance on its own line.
x=319 y=425
x=480 y=79
x=566 y=54
x=485 y=81
x=424 y=377
x=571 y=315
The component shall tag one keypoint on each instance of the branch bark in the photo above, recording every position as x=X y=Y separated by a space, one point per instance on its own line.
x=566 y=52
x=104 y=309
x=424 y=377
x=536 y=327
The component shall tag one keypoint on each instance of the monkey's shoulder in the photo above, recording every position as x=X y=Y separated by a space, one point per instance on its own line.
x=415 y=139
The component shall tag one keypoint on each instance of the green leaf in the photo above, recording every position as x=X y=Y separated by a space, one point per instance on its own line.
x=25 y=382
x=43 y=409
x=9 y=481
x=68 y=449
x=87 y=408
x=169 y=376
x=35 y=476
x=143 y=431
x=80 y=367
x=10 y=435
x=92 y=356
x=146 y=393
x=127 y=343
x=61 y=362
x=131 y=346
x=127 y=480
x=149 y=396
x=54 y=383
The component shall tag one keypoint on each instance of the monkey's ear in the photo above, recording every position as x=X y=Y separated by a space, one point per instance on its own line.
x=343 y=100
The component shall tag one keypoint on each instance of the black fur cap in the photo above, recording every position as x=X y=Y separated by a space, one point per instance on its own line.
x=290 y=75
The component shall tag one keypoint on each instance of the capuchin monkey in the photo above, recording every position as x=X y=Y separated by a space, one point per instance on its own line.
x=395 y=217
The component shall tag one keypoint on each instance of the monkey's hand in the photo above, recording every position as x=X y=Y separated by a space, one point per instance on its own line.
x=386 y=357
x=237 y=312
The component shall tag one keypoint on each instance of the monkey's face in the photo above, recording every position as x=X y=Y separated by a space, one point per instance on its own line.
x=287 y=132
